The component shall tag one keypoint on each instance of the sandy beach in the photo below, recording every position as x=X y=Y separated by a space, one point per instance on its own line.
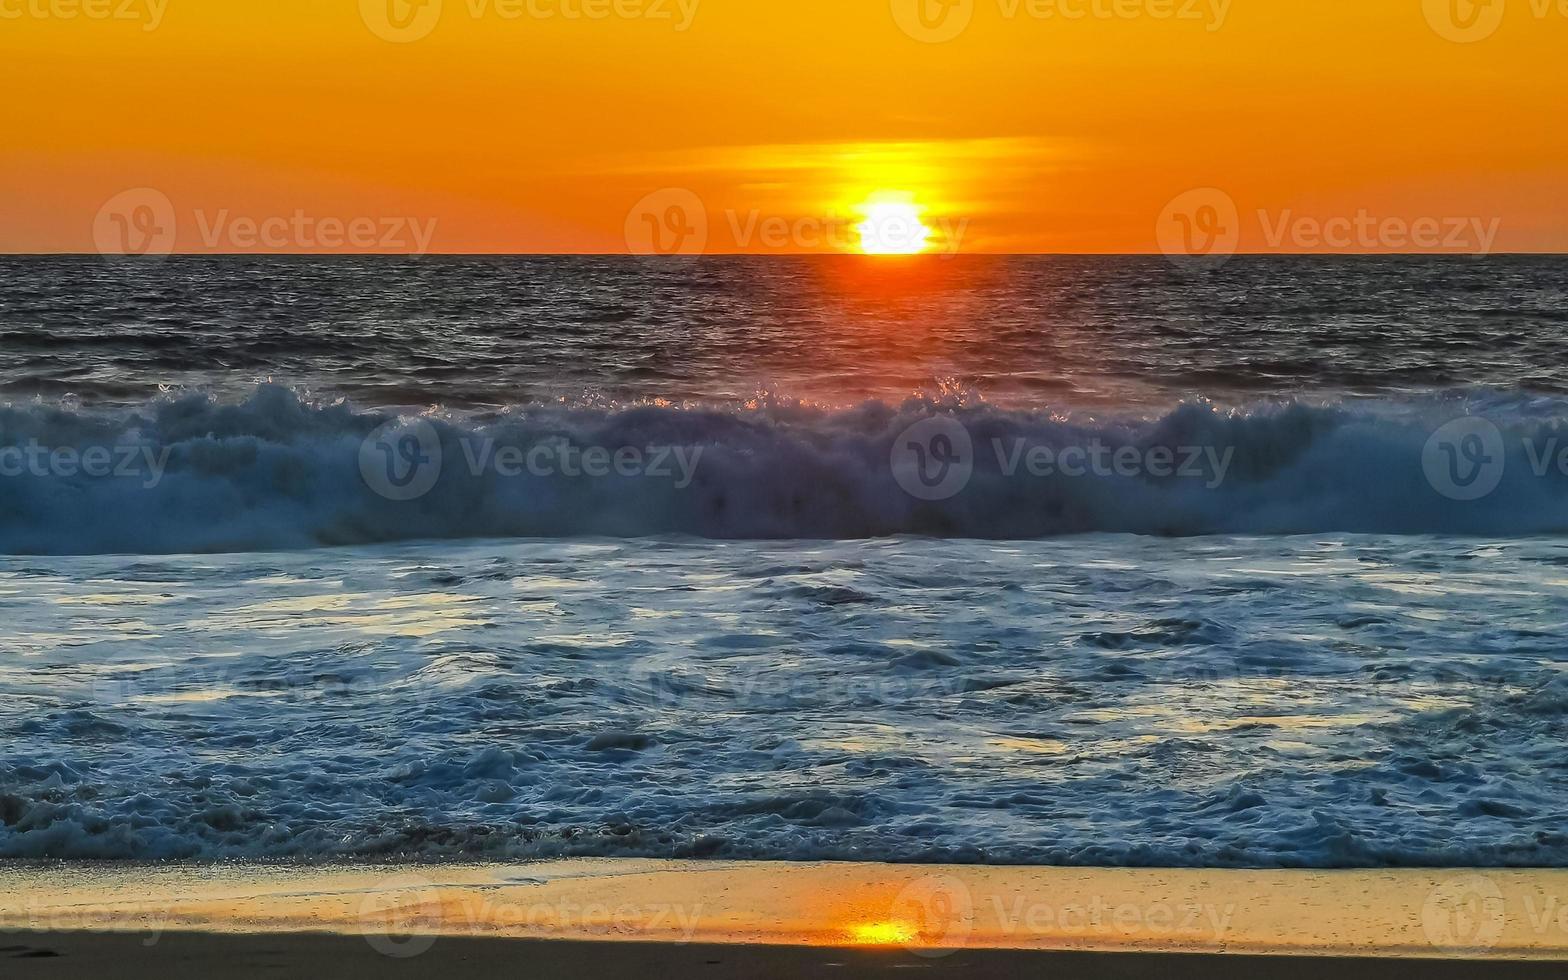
x=616 y=917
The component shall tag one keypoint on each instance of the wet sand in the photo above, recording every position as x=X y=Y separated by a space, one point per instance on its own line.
x=724 y=919
x=205 y=955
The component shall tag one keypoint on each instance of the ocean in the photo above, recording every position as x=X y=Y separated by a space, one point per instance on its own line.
x=1058 y=560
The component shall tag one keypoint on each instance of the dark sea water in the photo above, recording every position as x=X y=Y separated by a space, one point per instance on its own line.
x=1061 y=560
x=1025 y=332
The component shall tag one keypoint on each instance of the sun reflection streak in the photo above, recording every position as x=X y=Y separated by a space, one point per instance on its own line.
x=883 y=933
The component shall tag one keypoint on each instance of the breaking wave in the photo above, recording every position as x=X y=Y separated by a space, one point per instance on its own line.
x=277 y=471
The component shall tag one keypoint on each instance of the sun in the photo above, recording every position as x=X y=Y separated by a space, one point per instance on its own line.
x=892 y=228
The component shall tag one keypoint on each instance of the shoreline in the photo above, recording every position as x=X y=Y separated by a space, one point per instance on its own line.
x=915 y=913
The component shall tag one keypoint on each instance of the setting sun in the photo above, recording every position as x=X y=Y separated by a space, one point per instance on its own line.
x=893 y=229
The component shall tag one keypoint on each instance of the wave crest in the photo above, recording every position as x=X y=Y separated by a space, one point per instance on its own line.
x=277 y=472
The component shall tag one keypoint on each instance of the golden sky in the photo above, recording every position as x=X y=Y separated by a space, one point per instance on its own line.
x=771 y=125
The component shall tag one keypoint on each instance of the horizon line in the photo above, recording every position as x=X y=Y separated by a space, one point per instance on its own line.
x=1179 y=259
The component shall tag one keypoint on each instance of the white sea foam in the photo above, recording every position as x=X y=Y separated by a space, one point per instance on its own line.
x=1361 y=701
x=275 y=472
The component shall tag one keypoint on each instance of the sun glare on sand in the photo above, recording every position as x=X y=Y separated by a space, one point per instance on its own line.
x=892 y=228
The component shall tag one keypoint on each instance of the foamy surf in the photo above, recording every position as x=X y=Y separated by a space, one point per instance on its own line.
x=1305 y=702
x=275 y=471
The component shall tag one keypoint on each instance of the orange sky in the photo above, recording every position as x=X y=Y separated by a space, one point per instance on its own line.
x=572 y=125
